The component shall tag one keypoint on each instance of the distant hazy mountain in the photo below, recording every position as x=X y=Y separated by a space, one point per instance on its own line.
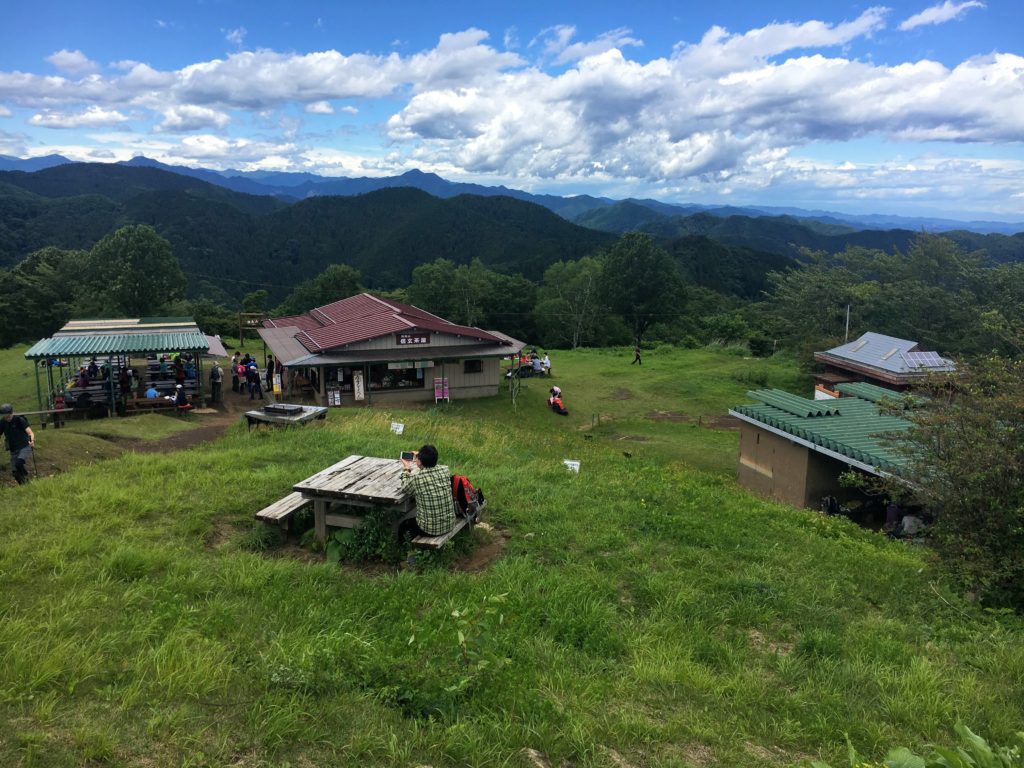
x=8 y=163
x=296 y=186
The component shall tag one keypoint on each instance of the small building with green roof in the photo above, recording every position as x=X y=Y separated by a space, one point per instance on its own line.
x=793 y=449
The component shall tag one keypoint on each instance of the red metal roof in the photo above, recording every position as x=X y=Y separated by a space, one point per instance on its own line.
x=364 y=317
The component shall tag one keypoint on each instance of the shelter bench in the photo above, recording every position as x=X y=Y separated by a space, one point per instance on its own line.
x=58 y=415
x=281 y=511
x=149 y=404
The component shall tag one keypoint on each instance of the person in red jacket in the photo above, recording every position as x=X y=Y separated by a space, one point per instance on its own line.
x=555 y=401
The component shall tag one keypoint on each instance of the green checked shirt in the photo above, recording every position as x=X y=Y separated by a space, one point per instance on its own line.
x=435 y=507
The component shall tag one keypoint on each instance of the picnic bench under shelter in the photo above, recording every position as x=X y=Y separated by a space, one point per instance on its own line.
x=118 y=342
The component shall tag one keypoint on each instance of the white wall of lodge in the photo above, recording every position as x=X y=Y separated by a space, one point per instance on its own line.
x=407 y=376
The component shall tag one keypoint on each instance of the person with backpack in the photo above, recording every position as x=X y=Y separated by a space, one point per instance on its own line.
x=216 y=377
x=555 y=401
x=20 y=441
x=431 y=484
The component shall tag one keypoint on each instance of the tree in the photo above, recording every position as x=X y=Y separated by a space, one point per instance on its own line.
x=131 y=271
x=37 y=296
x=338 y=281
x=255 y=302
x=570 y=305
x=964 y=455
x=639 y=281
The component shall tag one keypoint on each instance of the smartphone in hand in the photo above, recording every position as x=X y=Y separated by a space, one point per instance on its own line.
x=408 y=455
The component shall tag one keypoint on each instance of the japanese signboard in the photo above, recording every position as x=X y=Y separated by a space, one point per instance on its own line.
x=407 y=339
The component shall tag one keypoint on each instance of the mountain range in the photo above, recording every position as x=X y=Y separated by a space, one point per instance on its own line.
x=230 y=242
x=292 y=187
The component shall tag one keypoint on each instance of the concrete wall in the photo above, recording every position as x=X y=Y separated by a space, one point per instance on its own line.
x=780 y=469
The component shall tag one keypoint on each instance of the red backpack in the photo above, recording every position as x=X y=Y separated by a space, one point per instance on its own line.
x=468 y=500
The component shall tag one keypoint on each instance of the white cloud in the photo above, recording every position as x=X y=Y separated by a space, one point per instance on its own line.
x=4 y=111
x=940 y=14
x=92 y=117
x=320 y=108
x=235 y=36
x=189 y=117
x=511 y=38
x=349 y=109
x=557 y=46
x=73 y=62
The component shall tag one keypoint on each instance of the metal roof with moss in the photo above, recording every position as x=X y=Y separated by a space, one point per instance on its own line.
x=84 y=338
x=850 y=429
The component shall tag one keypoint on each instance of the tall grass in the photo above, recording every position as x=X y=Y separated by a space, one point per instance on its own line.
x=643 y=612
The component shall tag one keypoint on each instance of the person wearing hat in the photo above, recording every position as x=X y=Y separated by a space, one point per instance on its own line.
x=555 y=401
x=20 y=441
x=180 y=396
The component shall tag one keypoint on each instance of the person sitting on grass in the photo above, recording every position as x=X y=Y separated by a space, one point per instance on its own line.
x=555 y=401
x=431 y=484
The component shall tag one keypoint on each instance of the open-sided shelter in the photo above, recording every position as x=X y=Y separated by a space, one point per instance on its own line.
x=365 y=349
x=116 y=342
x=793 y=449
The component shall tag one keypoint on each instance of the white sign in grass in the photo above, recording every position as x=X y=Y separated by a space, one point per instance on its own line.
x=397 y=428
x=571 y=465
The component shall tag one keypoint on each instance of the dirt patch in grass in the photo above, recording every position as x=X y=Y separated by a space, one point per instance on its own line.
x=484 y=554
x=186 y=439
x=761 y=643
x=728 y=423
x=674 y=416
x=620 y=394
x=634 y=438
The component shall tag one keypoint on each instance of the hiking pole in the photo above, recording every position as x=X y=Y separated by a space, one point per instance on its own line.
x=35 y=466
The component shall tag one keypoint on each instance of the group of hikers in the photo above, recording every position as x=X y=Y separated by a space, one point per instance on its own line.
x=245 y=376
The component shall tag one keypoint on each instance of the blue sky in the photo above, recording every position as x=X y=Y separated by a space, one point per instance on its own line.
x=903 y=107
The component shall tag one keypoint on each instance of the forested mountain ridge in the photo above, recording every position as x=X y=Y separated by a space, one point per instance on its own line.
x=231 y=240
x=784 y=235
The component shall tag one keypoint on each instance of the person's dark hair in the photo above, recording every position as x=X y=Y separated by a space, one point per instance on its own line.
x=428 y=456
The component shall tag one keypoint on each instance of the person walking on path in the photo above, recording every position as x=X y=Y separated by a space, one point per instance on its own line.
x=636 y=353
x=20 y=441
x=216 y=377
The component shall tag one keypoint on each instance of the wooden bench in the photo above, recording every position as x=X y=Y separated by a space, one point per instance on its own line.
x=281 y=511
x=148 y=404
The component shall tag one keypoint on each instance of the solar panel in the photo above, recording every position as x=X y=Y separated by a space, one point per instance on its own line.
x=925 y=359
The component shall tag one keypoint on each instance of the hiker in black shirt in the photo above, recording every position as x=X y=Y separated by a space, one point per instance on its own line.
x=20 y=441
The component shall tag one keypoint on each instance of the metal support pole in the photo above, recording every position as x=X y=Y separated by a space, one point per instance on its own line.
x=39 y=393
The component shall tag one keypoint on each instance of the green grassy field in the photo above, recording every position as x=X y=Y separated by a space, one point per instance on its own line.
x=645 y=612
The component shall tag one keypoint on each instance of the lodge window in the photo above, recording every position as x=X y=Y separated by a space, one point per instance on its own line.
x=343 y=377
x=382 y=377
x=472 y=366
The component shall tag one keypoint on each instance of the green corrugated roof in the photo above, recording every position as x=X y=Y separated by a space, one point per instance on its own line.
x=117 y=343
x=853 y=428
x=877 y=394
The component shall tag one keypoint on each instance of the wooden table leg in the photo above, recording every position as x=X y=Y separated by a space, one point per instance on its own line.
x=320 y=519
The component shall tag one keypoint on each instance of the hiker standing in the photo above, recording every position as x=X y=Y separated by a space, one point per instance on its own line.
x=20 y=441
x=270 y=373
x=234 y=372
x=636 y=353
x=216 y=377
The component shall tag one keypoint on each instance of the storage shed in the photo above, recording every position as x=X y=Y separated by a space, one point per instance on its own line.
x=793 y=449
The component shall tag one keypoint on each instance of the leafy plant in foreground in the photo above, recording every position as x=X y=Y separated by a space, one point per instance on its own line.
x=973 y=753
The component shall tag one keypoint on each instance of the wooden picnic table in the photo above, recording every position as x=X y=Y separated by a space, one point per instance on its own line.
x=355 y=481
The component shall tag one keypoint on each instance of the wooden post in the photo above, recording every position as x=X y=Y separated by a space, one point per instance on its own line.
x=320 y=519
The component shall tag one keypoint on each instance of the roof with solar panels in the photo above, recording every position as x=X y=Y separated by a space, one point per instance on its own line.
x=887 y=355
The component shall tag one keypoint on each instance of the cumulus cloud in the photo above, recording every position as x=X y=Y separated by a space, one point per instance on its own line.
x=320 y=108
x=4 y=111
x=72 y=62
x=556 y=43
x=940 y=14
x=235 y=36
x=92 y=117
x=189 y=117
x=725 y=112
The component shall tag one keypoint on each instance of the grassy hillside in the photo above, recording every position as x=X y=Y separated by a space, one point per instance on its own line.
x=643 y=612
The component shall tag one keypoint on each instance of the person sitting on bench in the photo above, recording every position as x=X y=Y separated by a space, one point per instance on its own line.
x=152 y=393
x=181 y=399
x=431 y=484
